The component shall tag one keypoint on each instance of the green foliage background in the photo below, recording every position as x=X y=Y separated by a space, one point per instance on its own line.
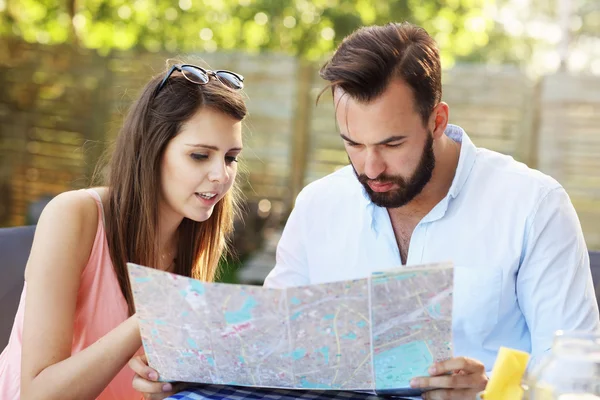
x=309 y=29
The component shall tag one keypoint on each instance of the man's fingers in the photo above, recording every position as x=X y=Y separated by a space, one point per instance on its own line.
x=148 y=387
x=448 y=382
x=445 y=394
x=459 y=363
x=139 y=365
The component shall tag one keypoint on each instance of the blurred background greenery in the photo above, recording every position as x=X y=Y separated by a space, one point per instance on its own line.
x=521 y=76
x=486 y=31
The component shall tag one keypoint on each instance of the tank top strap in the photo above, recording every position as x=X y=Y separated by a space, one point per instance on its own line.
x=98 y=200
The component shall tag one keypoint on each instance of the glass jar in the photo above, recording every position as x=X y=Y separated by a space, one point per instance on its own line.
x=571 y=371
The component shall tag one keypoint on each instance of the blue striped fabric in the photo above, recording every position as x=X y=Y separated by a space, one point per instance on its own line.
x=217 y=392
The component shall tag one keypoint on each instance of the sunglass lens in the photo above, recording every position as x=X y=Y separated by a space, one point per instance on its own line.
x=194 y=75
x=230 y=80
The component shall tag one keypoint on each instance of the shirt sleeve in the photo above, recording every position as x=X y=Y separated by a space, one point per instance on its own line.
x=291 y=268
x=554 y=281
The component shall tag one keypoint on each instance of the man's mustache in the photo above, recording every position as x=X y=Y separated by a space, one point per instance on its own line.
x=380 y=179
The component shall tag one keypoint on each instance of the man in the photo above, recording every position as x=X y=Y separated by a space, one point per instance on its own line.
x=419 y=191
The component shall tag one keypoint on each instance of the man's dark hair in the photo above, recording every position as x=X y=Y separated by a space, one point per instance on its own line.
x=367 y=60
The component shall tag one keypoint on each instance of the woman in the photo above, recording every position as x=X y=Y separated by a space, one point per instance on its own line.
x=168 y=203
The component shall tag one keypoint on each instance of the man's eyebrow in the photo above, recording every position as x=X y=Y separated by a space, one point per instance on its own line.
x=385 y=141
x=392 y=139
x=215 y=148
x=347 y=139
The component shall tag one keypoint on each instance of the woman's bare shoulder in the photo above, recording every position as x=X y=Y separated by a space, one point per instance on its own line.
x=68 y=223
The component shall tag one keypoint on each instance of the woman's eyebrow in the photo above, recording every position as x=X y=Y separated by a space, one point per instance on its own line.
x=215 y=148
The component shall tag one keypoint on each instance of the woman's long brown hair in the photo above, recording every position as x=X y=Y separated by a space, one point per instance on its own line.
x=134 y=182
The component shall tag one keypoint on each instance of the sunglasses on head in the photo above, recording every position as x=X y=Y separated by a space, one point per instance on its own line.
x=201 y=76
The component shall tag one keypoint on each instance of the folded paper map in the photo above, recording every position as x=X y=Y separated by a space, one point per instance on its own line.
x=371 y=334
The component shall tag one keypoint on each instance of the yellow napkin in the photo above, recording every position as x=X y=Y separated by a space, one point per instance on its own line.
x=505 y=383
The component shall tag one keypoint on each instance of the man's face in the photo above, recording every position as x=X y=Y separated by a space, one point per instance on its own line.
x=388 y=146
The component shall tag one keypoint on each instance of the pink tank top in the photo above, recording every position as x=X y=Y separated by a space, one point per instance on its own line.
x=100 y=308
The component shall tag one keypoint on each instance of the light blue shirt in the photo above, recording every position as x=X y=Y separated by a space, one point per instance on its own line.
x=521 y=263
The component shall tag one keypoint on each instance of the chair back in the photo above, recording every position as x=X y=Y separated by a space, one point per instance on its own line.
x=15 y=245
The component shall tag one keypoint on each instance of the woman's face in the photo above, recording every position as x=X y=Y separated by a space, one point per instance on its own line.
x=199 y=164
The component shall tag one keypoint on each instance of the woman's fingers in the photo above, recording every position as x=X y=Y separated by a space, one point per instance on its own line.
x=139 y=365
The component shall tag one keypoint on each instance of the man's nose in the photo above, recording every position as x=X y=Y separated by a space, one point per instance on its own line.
x=374 y=164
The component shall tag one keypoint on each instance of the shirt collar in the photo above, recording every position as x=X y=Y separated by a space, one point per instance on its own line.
x=466 y=160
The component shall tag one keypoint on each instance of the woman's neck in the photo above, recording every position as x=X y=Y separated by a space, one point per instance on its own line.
x=167 y=239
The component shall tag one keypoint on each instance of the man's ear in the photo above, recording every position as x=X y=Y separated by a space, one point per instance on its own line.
x=438 y=121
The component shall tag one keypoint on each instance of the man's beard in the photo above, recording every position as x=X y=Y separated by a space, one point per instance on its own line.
x=407 y=189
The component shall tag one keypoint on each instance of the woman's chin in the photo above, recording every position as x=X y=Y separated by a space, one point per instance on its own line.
x=200 y=215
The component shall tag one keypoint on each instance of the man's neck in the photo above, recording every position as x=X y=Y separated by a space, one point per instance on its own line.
x=447 y=154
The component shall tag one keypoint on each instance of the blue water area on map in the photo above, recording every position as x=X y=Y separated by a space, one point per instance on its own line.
x=241 y=359
x=395 y=367
x=157 y=339
x=192 y=343
x=159 y=322
x=298 y=354
x=295 y=301
x=325 y=352
x=296 y=315
x=435 y=310
x=378 y=280
x=211 y=361
x=197 y=286
x=379 y=277
x=361 y=324
x=402 y=277
x=328 y=316
x=143 y=279
x=305 y=384
x=242 y=315
x=351 y=336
